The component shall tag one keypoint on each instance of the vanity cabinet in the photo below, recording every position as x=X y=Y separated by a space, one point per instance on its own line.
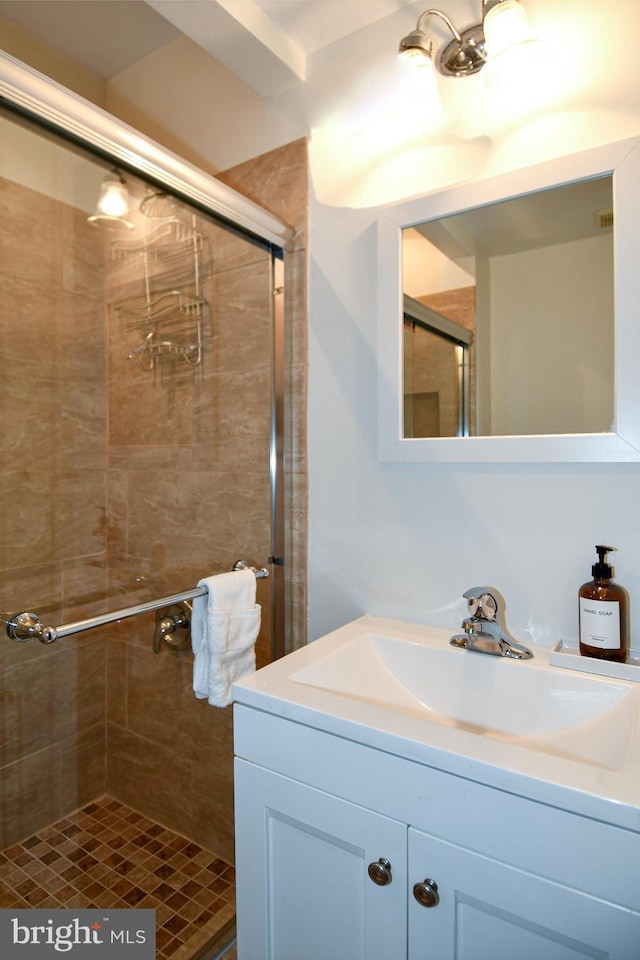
x=498 y=877
x=490 y=911
x=302 y=859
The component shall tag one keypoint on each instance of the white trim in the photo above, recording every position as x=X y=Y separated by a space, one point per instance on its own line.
x=622 y=159
x=53 y=103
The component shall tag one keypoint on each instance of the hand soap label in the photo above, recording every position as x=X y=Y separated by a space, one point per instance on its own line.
x=600 y=623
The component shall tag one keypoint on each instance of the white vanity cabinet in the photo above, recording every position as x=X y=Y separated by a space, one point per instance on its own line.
x=302 y=858
x=490 y=911
x=516 y=879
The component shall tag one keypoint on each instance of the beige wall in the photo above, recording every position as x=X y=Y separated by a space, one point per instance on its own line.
x=24 y=46
x=192 y=104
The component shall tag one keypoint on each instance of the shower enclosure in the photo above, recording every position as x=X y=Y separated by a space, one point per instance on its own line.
x=141 y=408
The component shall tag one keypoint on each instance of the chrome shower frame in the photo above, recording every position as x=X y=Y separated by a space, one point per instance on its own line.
x=27 y=92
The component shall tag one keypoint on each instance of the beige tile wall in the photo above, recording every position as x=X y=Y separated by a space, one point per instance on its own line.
x=53 y=529
x=460 y=306
x=189 y=494
x=278 y=181
x=140 y=483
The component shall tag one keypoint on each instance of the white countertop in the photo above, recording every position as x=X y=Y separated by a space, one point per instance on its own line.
x=603 y=784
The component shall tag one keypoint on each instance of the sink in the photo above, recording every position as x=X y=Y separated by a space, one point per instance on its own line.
x=527 y=702
x=564 y=737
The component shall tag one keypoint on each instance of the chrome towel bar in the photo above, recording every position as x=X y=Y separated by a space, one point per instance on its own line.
x=28 y=626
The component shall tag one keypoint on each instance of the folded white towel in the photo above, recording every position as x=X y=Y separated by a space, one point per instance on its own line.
x=224 y=628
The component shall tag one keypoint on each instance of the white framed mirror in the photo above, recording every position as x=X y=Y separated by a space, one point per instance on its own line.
x=553 y=372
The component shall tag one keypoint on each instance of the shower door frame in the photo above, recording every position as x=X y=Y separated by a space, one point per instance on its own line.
x=32 y=94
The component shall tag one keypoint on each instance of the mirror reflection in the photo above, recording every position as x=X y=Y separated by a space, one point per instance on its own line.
x=508 y=317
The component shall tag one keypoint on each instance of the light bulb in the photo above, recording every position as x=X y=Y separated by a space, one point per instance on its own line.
x=113 y=205
x=517 y=60
x=505 y=26
x=416 y=56
x=420 y=85
x=113 y=200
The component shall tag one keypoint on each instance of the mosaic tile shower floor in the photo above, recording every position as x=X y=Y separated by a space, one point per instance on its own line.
x=108 y=855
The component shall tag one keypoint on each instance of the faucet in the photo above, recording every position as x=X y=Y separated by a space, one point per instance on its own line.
x=484 y=629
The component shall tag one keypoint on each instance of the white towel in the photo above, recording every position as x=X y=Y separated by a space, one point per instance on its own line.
x=224 y=628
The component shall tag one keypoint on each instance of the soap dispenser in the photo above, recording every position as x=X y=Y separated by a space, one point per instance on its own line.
x=604 y=613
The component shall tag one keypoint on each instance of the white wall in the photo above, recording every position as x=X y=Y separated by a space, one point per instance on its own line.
x=551 y=316
x=406 y=540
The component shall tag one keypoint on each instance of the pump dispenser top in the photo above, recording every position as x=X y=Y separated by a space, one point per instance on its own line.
x=604 y=613
x=602 y=570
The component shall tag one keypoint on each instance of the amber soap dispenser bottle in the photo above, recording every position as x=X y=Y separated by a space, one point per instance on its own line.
x=604 y=613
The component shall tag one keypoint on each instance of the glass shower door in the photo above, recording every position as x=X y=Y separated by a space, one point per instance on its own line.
x=136 y=418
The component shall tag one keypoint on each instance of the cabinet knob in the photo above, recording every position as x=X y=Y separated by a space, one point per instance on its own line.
x=380 y=872
x=426 y=893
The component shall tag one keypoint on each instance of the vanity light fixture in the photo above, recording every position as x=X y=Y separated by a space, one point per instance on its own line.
x=113 y=204
x=504 y=30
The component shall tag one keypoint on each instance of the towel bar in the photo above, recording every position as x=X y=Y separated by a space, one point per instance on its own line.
x=27 y=626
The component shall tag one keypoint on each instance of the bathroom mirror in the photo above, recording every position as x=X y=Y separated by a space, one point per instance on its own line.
x=524 y=288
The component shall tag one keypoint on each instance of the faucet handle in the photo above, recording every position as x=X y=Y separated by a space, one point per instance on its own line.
x=481 y=603
x=484 y=629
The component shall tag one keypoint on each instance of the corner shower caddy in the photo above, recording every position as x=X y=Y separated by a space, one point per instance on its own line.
x=172 y=310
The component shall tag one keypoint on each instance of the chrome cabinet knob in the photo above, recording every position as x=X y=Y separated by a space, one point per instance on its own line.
x=426 y=893
x=380 y=872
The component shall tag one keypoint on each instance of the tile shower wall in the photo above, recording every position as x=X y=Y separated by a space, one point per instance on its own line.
x=53 y=532
x=278 y=181
x=169 y=755
x=460 y=306
x=137 y=482
x=189 y=494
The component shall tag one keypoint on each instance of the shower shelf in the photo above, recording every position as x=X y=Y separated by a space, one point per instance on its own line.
x=168 y=241
x=180 y=317
x=153 y=350
x=174 y=248
x=169 y=306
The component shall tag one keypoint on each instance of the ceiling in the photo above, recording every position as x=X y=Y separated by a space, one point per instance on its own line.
x=314 y=24
x=545 y=218
x=101 y=35
x=265 y=42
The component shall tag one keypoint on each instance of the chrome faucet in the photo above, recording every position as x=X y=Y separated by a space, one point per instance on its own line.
x=484 y=629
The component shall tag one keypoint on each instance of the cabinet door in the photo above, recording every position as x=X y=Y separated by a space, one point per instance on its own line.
x=489 y=911
x=302 y=884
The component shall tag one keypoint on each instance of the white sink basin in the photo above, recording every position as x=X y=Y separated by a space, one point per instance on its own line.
x=561 y=737
x=565 y=713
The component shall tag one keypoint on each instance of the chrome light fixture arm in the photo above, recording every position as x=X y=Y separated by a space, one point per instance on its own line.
x=422 y=19
x=463 y=56
x=466 y=54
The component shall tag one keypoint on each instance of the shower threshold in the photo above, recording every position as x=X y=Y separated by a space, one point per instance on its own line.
x=109 y=855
